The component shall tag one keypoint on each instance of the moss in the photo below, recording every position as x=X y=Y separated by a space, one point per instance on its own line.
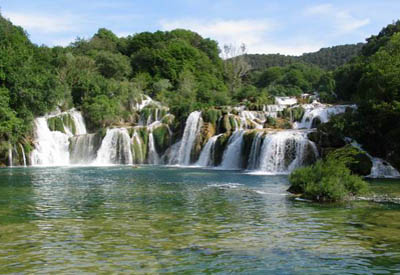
x=270 y=122
x=162 y=138
x=56 y=124
x=69 y=122
x=168 y=119
x=139 y=154
x=145 y=113
x=292 y=114
x=233 y=121
x=153 y=111
x=297 y=113
x=283 y=124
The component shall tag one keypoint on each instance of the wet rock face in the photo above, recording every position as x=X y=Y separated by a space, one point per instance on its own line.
x=325 y=140
x=362 y=166
x=220 y=147
x=328 y=141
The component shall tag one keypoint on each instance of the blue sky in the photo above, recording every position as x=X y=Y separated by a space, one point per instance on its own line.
x=269 y=26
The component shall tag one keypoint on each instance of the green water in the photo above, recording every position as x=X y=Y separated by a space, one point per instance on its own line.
x=170 y=220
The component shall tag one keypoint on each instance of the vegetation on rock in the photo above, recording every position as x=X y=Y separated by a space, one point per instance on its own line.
x=329 y=180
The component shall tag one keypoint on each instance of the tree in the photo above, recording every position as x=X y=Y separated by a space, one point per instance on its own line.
x=235 y=65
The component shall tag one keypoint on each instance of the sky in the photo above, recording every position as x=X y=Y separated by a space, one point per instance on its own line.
x=269 y=26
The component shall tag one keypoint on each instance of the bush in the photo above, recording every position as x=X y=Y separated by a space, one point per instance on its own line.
x=328 y=180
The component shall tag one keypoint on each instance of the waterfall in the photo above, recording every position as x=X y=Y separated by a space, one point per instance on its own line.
x=10 y=156
x=382 y=169
x=320 y=112
x=284 y=151
x=254 y=151
x=23 y=154
x=51 y=147
x=206 y=154
x=138 y=154
x=254 y=117
x=83 y=148
x=285 y=100
x=115 y=148
x=153 y=157
x=77 y=118
x=145 y=100
x=233 y=153
x=192 y=129
x=272 y=110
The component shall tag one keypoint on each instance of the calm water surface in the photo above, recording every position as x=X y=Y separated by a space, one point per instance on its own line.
x=168 y=220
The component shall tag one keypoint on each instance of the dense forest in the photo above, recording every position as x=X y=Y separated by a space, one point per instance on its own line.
x=326 y=58
x=102 y=75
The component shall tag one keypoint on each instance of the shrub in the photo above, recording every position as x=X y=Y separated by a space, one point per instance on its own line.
x=328 y=180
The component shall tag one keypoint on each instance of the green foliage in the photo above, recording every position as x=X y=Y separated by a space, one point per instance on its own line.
x=292 y=114
x=211 y=115
x=11 y=126
x=69 y=122
x=271 y=121
x=113 y=65
x=372 y=81
x=291 y=80
x=101 y=111
x=326 y=58
x=328 y=180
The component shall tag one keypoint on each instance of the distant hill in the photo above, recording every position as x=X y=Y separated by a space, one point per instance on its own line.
x=326 y=58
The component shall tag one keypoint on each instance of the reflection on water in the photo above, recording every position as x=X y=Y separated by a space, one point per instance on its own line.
x=119 y=219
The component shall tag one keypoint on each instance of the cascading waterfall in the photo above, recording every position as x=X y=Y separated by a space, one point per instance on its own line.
x=80 y=127
x=205 y=158
x=320 y=112
x=284 y=151
x=10 y=156
x=254 y=117
x=285 y=100
x=232 y=155
x=137 y=143
x=153 y=156
x=51 y=147
x=272 y=110
x=23 y=154
x=192 y=128
x=382 y=169
x=277 y=152
x=83 y=148
x=254 y=151
x=115 y=148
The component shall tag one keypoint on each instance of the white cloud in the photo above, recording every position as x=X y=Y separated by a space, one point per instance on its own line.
x=43 y=23
x=256 y=34
x=342 y=20
x=225 y=31
x=62 y=41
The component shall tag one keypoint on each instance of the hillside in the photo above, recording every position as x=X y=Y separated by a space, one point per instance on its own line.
x=326 y=58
